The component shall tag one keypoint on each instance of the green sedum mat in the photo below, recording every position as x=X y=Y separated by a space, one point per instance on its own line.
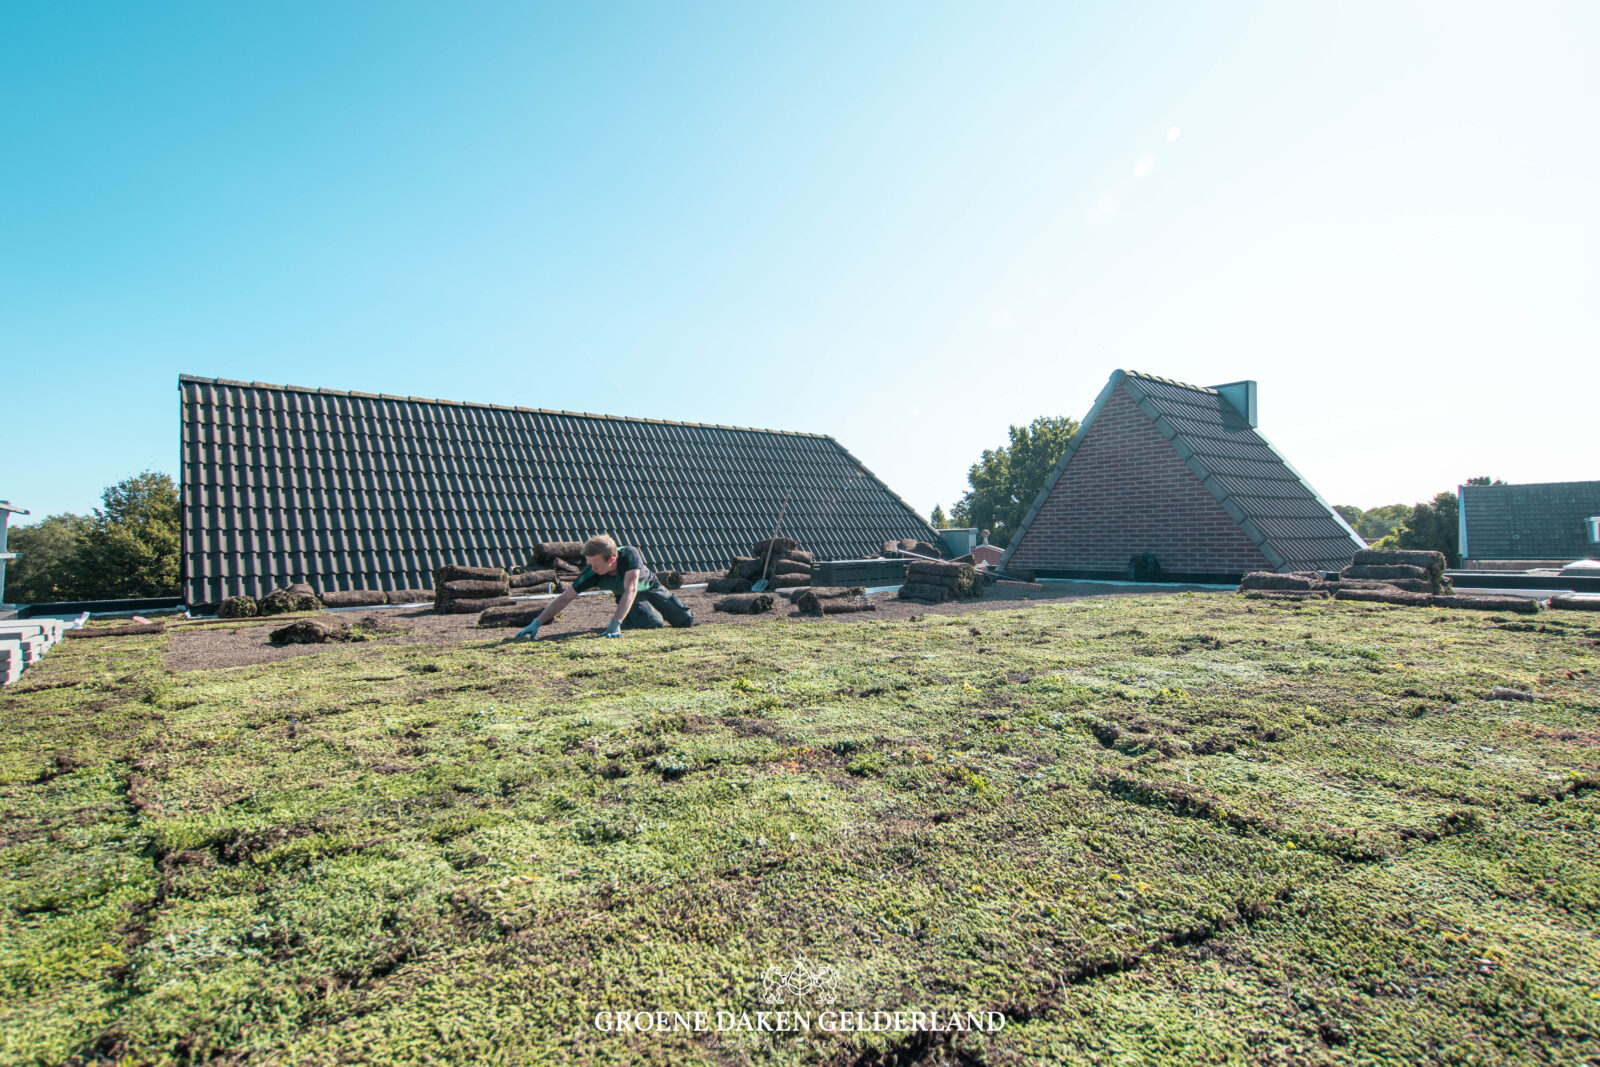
x=1182 y=829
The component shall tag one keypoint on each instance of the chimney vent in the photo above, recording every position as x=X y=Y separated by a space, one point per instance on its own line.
x=1242 y=395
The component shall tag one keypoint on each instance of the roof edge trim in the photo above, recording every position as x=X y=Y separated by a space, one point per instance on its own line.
x=874 y=476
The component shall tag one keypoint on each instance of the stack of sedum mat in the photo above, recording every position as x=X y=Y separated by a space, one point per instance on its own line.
x=461 y=590
x=788 y=567
x=23 y=642
x=1381 y=576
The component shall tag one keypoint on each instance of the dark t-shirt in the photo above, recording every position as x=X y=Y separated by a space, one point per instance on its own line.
x=628 y=558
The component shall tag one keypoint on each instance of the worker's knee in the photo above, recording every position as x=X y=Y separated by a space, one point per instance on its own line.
x=676 y=611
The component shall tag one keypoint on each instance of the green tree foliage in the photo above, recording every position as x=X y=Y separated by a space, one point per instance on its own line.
x=1005 y=481
x=1486 y=480
x=41 y=550
x=129 y=548
x=1379 y=522
x=1350 y=513
x=938 y=520
x=1434 y=524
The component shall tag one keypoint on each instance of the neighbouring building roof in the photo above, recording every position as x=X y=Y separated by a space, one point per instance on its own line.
x=1535 y=521
x=362 y=491
x=1117 y=464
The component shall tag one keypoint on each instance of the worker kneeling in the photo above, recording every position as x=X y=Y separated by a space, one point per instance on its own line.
x=641 y=601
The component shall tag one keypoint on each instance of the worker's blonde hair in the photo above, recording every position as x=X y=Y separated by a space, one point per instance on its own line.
x=600 y=545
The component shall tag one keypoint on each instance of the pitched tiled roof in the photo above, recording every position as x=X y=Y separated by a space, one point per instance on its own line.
x=364 y=491
x=1272 y=503
x=1540 y=520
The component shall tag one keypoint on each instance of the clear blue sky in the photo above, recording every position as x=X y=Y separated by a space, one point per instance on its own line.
x=904 y=224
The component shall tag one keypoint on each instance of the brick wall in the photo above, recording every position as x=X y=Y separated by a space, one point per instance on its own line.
x=987 y=554
x=1125 y=491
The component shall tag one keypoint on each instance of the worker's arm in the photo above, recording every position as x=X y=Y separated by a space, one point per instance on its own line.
x=630 y=589
x=551 y=610
x=558 y=605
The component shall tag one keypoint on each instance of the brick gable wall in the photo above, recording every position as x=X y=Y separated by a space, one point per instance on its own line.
x=1126 y=491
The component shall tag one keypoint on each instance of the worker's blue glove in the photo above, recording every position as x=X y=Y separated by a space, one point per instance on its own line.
x=529 y=632
x=614 y=630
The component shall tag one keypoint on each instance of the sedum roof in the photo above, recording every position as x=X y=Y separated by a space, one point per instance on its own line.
x=365 y=491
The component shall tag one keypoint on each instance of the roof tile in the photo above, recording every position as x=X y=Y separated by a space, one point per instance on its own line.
x=363 y=490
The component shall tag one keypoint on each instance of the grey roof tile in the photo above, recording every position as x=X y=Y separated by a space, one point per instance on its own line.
x=1280 y=507
x=356 y=490
x=1535 y=520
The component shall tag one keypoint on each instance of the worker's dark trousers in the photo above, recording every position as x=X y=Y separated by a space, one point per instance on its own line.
x=650 y=606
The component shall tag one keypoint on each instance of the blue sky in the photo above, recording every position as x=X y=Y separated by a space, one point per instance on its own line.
x=905 y=225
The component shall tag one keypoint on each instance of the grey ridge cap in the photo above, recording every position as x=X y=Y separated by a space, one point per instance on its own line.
x=1274 y=557
x=198 y=379
x=1234 y=511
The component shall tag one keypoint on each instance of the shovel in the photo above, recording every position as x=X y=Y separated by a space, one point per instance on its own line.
x=761 y=585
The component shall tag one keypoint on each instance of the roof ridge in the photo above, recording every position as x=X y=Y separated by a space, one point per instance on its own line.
x=1169 y=381
x=1531 y=485
x=200 y=379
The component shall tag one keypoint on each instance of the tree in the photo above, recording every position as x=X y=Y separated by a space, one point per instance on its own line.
x=937 y=520
x=1349 y=513
x=130 y=547
x=41 y=550
x=1005 y=482
x=1433 y=525
x=1382 y=521
x=1486 y=480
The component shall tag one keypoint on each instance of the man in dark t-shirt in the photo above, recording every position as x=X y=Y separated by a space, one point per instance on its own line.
x=622 y=572
x=628 y=559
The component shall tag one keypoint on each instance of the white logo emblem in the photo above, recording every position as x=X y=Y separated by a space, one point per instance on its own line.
x=802 y=979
